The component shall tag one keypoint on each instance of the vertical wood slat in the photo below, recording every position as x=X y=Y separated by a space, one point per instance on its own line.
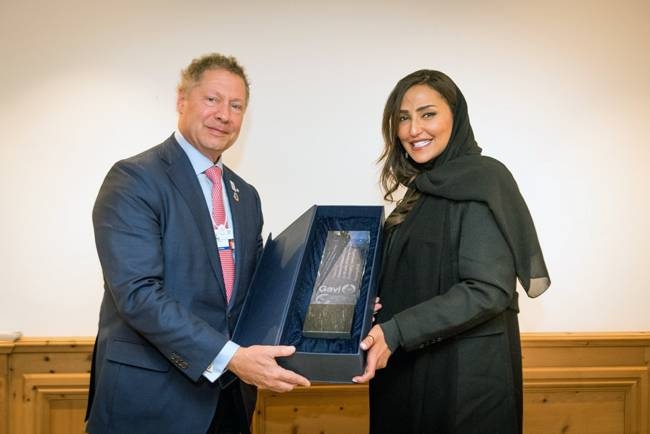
x=5 y=349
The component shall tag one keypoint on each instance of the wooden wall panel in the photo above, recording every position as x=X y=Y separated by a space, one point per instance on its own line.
x=55 y=403
x=332 y=410
x=48 y=385
x=586 y=383
x=584 y=400
x=594 y=383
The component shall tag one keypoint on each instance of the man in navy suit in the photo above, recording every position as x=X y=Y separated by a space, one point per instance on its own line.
x=163 y=360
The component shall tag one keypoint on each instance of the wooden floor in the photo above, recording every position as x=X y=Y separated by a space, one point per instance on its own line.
x=594 y=383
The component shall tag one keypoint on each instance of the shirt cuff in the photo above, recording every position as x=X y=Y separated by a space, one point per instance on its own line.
x=391 y=334
x=218 y=365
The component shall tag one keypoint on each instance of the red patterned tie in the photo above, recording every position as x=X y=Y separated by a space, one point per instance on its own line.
x=219 y=218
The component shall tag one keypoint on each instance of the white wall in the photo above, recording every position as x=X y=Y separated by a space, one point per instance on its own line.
x=557 y=90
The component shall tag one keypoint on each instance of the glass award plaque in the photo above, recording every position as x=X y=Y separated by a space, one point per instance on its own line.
x=337 y=286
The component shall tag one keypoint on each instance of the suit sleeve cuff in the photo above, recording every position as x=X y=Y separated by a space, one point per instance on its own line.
x=391 y=334
x=219 y=364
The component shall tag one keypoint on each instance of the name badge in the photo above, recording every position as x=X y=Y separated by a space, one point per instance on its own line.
x=225 y=238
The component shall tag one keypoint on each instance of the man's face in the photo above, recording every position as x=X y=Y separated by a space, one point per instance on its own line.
x=211 y=112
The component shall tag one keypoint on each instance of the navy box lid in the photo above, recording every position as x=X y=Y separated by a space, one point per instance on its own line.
x=281 y=288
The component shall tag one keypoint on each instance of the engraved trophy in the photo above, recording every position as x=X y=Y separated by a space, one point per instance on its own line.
x=337 y=287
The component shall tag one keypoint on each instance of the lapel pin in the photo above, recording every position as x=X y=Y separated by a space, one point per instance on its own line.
x=235 y=191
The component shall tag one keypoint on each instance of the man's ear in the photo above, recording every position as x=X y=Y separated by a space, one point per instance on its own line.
x=181 y=97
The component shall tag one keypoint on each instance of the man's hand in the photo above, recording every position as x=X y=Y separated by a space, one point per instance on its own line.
x=256 y=365
x=378 y=354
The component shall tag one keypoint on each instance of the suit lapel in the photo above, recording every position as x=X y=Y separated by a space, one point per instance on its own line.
x=182 y=175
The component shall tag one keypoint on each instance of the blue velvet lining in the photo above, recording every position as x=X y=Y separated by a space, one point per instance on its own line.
x=305 y=283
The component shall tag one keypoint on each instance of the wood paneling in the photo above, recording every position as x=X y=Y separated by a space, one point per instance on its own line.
x=585 y=400
x=594 y=383
x=48 y=385
x=330 y=410
x=54 y=403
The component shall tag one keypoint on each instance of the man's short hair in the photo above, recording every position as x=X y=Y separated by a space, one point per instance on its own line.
x=191 y=75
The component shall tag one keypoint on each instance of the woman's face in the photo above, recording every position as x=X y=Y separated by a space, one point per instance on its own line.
x=425 y=123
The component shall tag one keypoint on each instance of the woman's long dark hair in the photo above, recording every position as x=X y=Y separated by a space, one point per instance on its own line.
x=398 y=169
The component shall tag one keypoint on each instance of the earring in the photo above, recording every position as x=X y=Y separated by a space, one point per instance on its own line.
x=406 y=155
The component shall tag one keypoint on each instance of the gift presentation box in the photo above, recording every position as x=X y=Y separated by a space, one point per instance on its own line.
x=283 y=288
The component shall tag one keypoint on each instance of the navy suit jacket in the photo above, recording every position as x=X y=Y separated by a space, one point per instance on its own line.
x=164 y=315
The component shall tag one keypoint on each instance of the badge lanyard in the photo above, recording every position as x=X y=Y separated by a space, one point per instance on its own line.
x=225 y=237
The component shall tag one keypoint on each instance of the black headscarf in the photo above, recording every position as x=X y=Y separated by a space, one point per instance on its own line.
x=461 y=173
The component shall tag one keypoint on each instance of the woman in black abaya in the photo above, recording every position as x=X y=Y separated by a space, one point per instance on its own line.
x=445 y=355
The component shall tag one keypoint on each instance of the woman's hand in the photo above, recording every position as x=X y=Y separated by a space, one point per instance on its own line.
x=376 y=309
x=378 y=354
